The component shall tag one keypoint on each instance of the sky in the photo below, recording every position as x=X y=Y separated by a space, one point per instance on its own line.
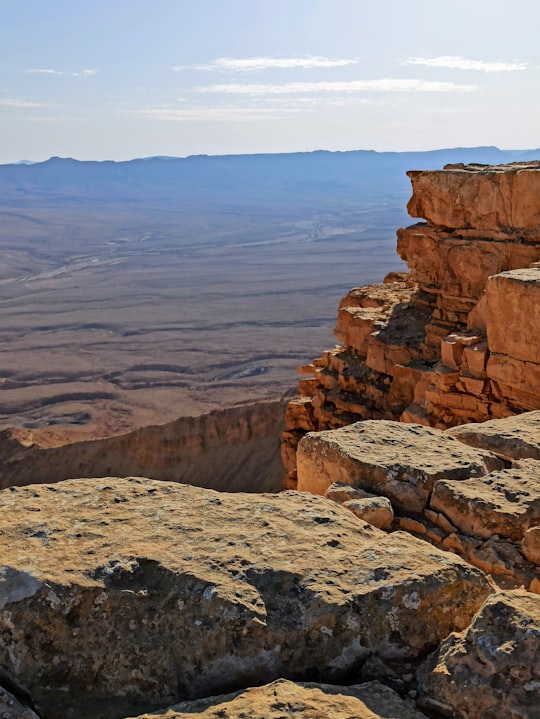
x=119 y=79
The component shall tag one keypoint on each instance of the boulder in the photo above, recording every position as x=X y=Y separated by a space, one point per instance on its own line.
x=515 y=437
x=373 y=510
x=491 y=669
x=506 y=503
x=530 y=545
x=396 y=460
x=282 y=699
x=121 y=595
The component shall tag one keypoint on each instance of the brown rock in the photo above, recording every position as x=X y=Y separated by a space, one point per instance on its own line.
x=490 y=670
x=396 y=460
x=376 y=511
x=122 y=594
x=515 y=437
x=282 y=699
x=501 y=199
x=505 y=503
x=340 y=493
x=530 y=545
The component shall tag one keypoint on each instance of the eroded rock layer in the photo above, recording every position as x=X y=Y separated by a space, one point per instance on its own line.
x=124 y=595
x=456 y=339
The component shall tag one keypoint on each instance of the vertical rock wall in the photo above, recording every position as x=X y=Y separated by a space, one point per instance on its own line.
x=456 y=339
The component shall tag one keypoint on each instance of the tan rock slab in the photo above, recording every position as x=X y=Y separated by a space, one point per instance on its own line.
x=505 y=502
x=491 y=669
x=516 y=437
x=530 y=545
x=119 y=595
x=399 y=461
x=282 y=699
x=512 y=314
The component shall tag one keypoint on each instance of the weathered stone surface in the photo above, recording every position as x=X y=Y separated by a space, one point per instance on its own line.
x=119 y=595
x=512 y=316
x=530 y=545
x=376 y=511
x=282 y=699
x=340 y=493
x=490 y=670
x=11 y=708
x=515 y=437
x=399 y=461
x=501 y=199
x=505 y=503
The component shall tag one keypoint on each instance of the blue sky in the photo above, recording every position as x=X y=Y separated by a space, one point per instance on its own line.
x=117 y=79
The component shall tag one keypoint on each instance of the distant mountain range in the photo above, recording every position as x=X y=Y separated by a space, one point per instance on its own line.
x=305 y=175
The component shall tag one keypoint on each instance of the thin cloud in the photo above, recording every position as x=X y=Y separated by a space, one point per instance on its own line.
x=457 y=62
x=17 y=102
x=87 y=72
x=213 y=114
x=251 y=64
x=353 y=86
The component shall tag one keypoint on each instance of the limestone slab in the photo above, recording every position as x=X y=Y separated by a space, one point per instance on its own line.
x=120 y=595
x=399 y=461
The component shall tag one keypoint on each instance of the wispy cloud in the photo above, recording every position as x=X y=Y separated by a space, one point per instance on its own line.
x=87 y=72
x=353 y=86
x=228 y=113
x=17 y=102
x=457 y=62
x=252 y=64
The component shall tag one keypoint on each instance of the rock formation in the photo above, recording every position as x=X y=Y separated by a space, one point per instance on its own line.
x=234 y=450
x=122 y=595
x=456 y=339
x=283 y=700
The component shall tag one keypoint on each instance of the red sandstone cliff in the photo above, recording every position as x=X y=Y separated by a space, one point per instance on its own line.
x=456 y=339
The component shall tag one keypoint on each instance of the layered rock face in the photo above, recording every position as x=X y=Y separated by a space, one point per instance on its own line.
x=233 y=450
x=124 y=595
x=456 y=339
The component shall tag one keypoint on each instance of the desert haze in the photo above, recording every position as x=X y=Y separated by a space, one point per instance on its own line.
x=133 y=293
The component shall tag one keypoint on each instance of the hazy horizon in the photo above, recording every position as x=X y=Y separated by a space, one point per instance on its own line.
x=173 y=77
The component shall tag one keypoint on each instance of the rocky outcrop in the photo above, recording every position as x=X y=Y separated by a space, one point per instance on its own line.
x=123 y=595
x=455 y=340
x=283 y=699
x=399 y=461
x=11 y=707
x=234 y=450
x=491 y=669
x=461 y=498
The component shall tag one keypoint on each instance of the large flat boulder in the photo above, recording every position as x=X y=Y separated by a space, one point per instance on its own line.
x=490 y=670
x=122 y=595
x=506 y=503
x=515 y=437
x=399 y=461
x=283 y=699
